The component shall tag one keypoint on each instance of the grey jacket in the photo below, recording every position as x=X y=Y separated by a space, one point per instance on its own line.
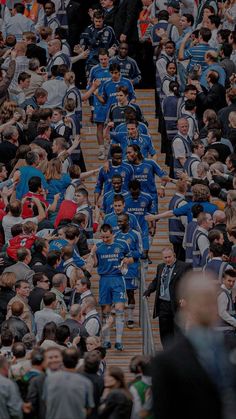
x=10 y=400
x=22 y=271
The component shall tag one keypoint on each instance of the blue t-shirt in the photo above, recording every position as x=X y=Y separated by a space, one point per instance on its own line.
x=58 y=244
x=56 y=186
x=109 y=257
x=186 y=209
x=26 y=173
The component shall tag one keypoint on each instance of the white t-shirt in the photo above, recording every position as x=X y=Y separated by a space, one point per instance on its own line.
x=178 y=148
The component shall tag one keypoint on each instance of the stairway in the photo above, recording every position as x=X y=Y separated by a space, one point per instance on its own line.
x=132 y=338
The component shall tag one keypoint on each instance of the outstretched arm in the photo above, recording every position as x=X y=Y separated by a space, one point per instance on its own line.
x=152 y=217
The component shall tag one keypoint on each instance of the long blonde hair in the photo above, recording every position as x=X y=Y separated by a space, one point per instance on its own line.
x=54 y=169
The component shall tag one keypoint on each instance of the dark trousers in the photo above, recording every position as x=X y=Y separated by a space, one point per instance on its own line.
x=179 y=251
x=230 y=339
x=166 y=323
x=144 y=57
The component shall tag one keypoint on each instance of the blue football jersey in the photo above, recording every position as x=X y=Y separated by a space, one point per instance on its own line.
x=133 y=239
x=105 y=177
x=143 y=205
x=139 y=207
x=108 y=200
x=145 y=172
x=99 y=73
x=93 y=39
x=109 y=90
x=143 y=129
x=143 y=141
x=128 y=68
x=110 y=256
x=112 y=220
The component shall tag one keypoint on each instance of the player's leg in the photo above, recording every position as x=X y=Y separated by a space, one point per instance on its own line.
x=145 y=240
x=100 y=140
x=118 y=298
x=106 y=312
x=105 y=300
x=131 y=306
x=91 y=103
x=120 y=320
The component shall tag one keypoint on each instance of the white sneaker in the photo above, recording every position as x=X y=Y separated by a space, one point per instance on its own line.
x=101 y=153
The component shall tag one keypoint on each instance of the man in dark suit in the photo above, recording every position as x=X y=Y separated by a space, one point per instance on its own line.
x=193 y=378
x=109 y=9
x=214 y=143
x=125 y=25
x=41 y=285
x=167 y=277
x=213 y=98
x=9 y=146
x=33 y=50
x=73 y=16
x=219 y=220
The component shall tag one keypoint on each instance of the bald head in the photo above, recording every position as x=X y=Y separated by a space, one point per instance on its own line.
x=88 y=304
x=199 y=293
x=219 y=217
x=75 y=311
x=54 y=46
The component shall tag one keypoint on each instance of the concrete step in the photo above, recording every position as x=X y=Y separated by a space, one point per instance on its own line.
x=132 y=338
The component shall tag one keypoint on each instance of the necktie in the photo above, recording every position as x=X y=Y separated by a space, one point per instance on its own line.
x=165 y=280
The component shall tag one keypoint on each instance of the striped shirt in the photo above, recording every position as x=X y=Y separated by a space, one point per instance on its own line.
x=196 y=55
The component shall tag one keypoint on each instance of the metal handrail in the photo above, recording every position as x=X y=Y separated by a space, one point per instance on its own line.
x=145 y=320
